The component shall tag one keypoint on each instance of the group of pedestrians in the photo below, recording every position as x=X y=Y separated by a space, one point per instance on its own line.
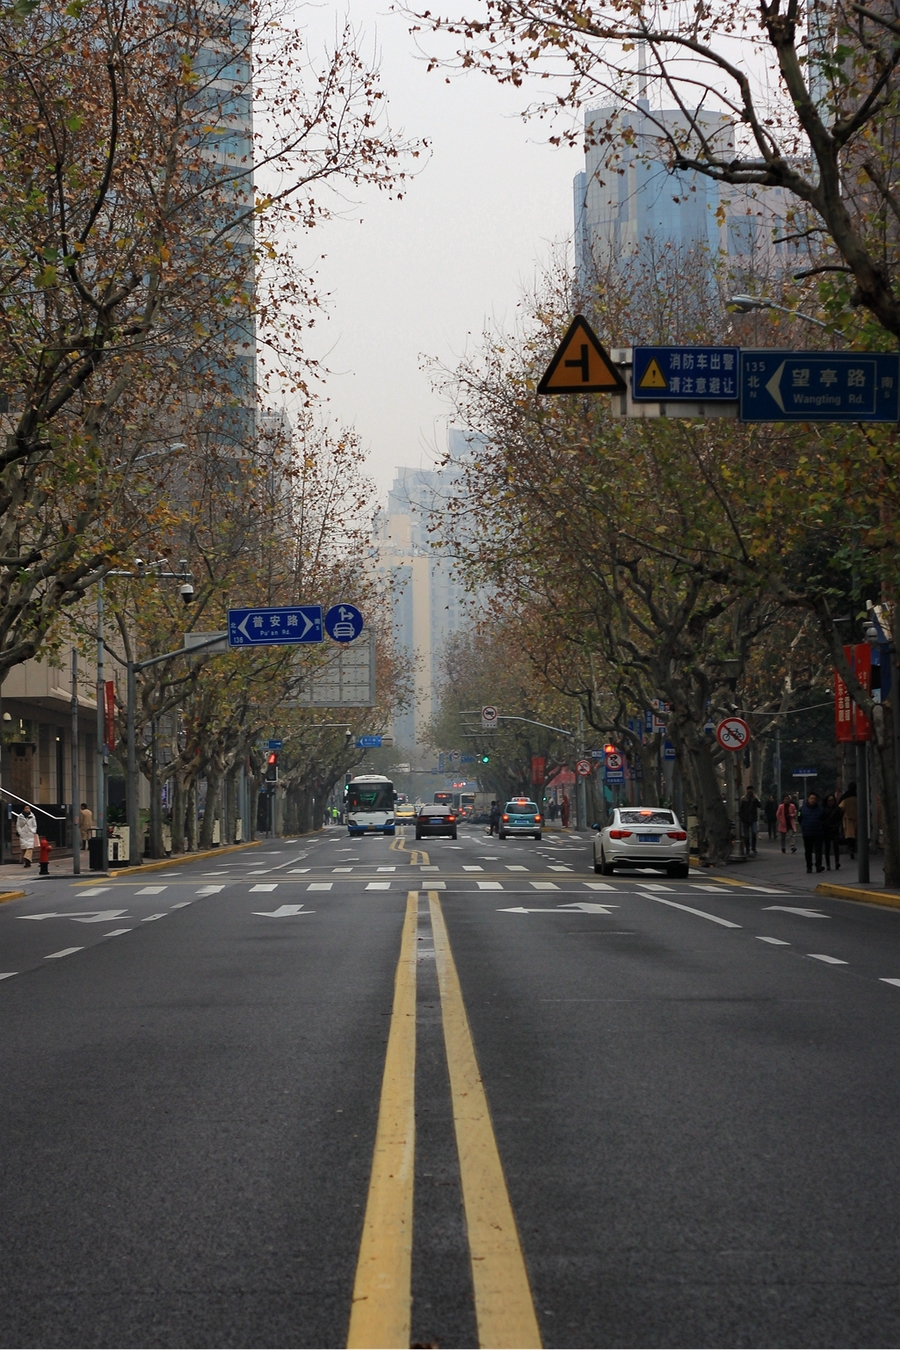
x=822 y=825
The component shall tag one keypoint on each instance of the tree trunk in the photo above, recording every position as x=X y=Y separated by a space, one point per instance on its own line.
x=178 y=805
x=229 y=821
x=213 y=788
x=190 y=815
x=318 y=813
x=715 y=827
x=885 y=774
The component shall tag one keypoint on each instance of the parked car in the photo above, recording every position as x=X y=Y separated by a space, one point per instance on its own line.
x=642 y=836
x=436 y=819
x=520 y=816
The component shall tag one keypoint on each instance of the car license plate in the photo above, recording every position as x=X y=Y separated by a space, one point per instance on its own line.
x=439 y=821
x=648 y=838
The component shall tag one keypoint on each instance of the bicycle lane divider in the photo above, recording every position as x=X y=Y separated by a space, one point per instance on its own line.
x=504 y=1307
x=382 y=1292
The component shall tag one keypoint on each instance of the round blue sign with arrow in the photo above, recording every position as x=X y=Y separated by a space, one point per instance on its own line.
x=343 y=623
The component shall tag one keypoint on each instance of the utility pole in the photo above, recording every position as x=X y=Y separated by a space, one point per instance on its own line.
x=76 y=788
x=102 y=752
x=581 y=786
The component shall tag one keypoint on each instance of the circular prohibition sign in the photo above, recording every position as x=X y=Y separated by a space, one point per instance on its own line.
x=733 y=733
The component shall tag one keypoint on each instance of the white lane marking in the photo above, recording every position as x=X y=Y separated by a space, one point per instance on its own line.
x=830 y=960
x=264 y=886
x=117 y=932
x=151 y=917
x=385 y=869
x=221 y=873
x=79 y=916
x=95 y=890
x=515 y=867
x=489 y=857
x=209 y=890
x=768 y=890
x=588 y=907
x=342 y=869
x=320 y=886
x=151 y=890
x=376 y=886
x=553 y=867
x=471 y=868
x=720 y=890
x=489 y=885
x=653 y=886
x=804 y=913
x=700 y=913
x=283 y=912
x=437 y=885
x=776 y=942
x=182 y=904
x=599 y=886
x=543 y=885
x=297 y=871
x=66 y=951
x=8 y=974
x=431 y=867
x=884 y=979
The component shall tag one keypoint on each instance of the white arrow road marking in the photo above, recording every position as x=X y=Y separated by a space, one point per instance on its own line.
x=151 y=917
x=884 y=980
x=831 y=960
x=774 y=386
x=117 y=932
x=82 y=916
x=283 y=912
x=66 y=951
x=804 y=913
x=264 y=886
x=588 y=907
x=700 y=913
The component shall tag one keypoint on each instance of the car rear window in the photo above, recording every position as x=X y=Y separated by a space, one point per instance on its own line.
x=521 y=808
x=435 y=811
x=646 y=818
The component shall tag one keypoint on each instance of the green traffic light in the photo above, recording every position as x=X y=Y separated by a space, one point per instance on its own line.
x=485 y=759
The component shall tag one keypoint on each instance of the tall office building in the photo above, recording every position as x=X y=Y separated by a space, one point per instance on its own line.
x=429 y=599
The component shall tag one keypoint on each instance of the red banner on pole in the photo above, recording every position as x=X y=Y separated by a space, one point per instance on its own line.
x=538 y=766
x=110 y=701
x=850 y=722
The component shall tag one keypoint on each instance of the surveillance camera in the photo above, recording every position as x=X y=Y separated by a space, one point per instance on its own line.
x=187 y=593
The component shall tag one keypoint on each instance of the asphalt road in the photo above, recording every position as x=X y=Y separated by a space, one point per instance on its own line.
x=693 y=1100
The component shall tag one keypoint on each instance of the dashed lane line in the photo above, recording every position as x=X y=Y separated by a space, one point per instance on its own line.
x=504 y=1308
x=829 y=960
x=700 y=913
x=66 y=951
x=382 y=1292
x=775 y=942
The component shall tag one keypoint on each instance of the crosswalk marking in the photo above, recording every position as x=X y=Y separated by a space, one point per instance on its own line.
x=472 y=868
x=515 y=867
x=151 y=890
x=378 y=886
x=264 y=886
x=489 y=885
x=210 y=890
x=320 y=886
x=543 y=885
x=66 y=951
x=599 y=886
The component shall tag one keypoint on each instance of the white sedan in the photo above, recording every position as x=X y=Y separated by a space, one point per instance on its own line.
x=642 y=836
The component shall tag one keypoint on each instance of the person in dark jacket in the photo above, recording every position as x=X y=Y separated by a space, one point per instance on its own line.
x=748 y=814
x=832 y=822
x=770 y=811
x=494 y=817
x=812 y=827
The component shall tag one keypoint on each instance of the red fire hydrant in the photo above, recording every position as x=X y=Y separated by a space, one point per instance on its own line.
x=44 y=855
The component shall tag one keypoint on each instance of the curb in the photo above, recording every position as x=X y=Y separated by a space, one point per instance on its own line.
x=891 y=900
x=12 y=895
x=169 y=862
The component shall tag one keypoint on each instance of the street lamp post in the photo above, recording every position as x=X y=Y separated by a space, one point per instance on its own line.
x=745 y=304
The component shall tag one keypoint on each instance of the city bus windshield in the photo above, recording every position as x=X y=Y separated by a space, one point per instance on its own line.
x=370 y=797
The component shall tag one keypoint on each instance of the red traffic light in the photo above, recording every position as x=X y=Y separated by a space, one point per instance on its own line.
x=273 y=757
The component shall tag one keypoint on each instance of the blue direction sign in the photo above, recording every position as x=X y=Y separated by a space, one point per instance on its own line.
x=275 y=745
x=343 y=623
x=271 y=627
x=369 y=743
x=615 y=776
x=820 y=386
x=467 y=759
x=685 y=374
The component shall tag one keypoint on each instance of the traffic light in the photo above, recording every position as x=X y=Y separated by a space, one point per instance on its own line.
x=272 y=767
x=485 y=759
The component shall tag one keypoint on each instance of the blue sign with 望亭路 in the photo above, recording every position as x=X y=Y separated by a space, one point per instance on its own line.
x=272 y=627
x=368 y=743
x=685 y=374
x=779 y=386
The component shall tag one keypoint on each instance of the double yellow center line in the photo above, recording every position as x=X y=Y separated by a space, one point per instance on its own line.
x=382 y=1294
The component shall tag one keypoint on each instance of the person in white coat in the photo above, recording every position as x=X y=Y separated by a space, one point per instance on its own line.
x=26 y=828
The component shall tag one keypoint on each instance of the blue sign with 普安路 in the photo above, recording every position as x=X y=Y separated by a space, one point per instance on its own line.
x=272 y=627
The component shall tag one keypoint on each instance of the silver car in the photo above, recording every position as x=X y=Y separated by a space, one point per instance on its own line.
x=642 y=836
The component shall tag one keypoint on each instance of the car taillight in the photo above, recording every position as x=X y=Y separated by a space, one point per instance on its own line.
x=620 y=834
x=506 y=817
x=677 y=834
x=451 y=819
x=537 y=820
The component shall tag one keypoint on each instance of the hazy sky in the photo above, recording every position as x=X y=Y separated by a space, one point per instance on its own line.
x=421 y=277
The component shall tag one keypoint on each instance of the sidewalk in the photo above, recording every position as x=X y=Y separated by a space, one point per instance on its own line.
x=15 y=877
x=772 y=867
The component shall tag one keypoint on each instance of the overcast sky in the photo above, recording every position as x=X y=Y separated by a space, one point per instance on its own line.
x=421 y=277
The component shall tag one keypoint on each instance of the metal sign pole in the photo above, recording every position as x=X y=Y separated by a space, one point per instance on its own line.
x=76 y=787
x=862 y=811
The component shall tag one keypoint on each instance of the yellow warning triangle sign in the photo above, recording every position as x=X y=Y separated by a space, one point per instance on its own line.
x=580 y=365
x=653 y=378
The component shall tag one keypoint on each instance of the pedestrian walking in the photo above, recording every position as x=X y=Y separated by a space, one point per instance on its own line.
x=786 y=818
x=564 y=813
x=553 y=812
x=831 y=823
x=812 y=827
x=85 y=823
x=770 y=811
x=849 y=808
x=26 y=828
x=44 y=856
x=494 y=818
x=748 y=814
